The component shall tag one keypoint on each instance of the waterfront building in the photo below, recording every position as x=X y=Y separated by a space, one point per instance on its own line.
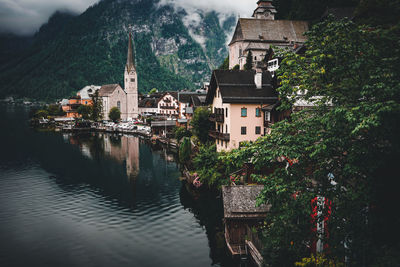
x=259 y=33
x=83 y=97
x=113 y=95
x=168 y=105
x=86 y=94
x=242 y=216
x=125 y=100
x=238 y=99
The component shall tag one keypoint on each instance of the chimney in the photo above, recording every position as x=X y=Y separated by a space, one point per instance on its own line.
x=258 y=78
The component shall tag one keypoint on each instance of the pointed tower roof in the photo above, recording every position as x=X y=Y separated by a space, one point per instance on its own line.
x=130 y=62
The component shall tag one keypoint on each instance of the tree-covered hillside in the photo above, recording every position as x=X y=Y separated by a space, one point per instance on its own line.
x=70 y=52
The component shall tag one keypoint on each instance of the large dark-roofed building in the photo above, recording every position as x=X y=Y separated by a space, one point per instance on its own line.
x=259 y=33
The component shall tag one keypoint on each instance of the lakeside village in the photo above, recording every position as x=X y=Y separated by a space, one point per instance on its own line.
x=238 y=107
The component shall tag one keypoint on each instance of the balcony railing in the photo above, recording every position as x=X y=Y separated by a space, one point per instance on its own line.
x=217 y=117
x=220 y=136
x=167 y=107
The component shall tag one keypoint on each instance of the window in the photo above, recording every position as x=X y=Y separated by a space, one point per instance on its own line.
x=218 y=93
x=133 y=80
x=240 y=52
x=267 y=116
x=119 y=105
x=243 y=130
x=244 y=112
x=217 y=141
x=226 y=144
x=255 y=58
x=226 y=111
x=258 y=112
x=258 y=130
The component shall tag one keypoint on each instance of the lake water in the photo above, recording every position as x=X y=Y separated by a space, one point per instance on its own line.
x=99 y=200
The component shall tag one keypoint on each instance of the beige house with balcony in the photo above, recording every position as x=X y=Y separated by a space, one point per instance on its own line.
x=243 y=103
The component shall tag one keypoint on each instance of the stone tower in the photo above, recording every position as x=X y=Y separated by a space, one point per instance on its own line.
x=131 y=84
x=264 y=10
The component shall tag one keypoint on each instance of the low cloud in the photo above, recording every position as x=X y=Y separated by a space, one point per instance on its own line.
x=224 y=8
x=24 y=17
x=244 y=8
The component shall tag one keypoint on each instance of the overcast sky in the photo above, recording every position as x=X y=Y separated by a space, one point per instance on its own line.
x=26 y=16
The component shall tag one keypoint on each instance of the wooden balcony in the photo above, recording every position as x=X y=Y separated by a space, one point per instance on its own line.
x=216 y=117
x=168 y=107
x=220 y=136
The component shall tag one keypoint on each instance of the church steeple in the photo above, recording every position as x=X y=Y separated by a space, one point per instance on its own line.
x=130 y=62
x=264 y=10
x=131 y=83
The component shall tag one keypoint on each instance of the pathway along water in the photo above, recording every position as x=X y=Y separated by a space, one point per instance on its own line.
x=98 y=200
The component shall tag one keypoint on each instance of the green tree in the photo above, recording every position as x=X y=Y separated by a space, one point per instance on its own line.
x=344 y=149
x=41 y=114
x=236 y=67
x=97 y=107
x=225 y=64
x=185 y=150
x=55 y=110
x=212 y=167
x=85 y=111
x=114 y=114
x=181 y=132
x=249 y=61
x=201 y=123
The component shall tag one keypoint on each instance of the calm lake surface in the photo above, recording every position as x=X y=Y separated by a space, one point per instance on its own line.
x=98 y=200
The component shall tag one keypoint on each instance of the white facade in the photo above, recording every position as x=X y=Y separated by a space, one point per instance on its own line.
x=116 y=99
x=168 y=105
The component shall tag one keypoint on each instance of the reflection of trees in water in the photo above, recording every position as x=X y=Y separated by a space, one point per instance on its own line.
x=207 y=208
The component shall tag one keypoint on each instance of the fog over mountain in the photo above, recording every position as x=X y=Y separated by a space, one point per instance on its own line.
x=24 y=17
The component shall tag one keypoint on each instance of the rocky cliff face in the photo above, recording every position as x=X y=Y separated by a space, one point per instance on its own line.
x=70 y=52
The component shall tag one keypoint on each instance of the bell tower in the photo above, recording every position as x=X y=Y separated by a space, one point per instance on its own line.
x=264 y=10
x=131 y=84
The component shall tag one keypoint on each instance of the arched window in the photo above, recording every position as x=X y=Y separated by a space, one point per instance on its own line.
x=119 y=105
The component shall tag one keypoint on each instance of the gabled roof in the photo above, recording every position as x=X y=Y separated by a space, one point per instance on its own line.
x=148 y=103
x=270 y=31
x=87 y=91
x=173 y=94
x=108 y=89
x=238 y=86
x=185 y=97
x=241 y=202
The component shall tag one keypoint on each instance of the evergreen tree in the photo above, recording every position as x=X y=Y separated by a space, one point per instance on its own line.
x=249 y=61
x=225 y=64
x=97 y=107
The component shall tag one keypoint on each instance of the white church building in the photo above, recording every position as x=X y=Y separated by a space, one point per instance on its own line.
x=126 y=100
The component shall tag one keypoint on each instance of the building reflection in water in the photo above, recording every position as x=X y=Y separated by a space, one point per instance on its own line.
x=124 y=149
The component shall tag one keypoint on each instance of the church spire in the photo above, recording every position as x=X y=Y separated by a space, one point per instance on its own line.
x=130 y=62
